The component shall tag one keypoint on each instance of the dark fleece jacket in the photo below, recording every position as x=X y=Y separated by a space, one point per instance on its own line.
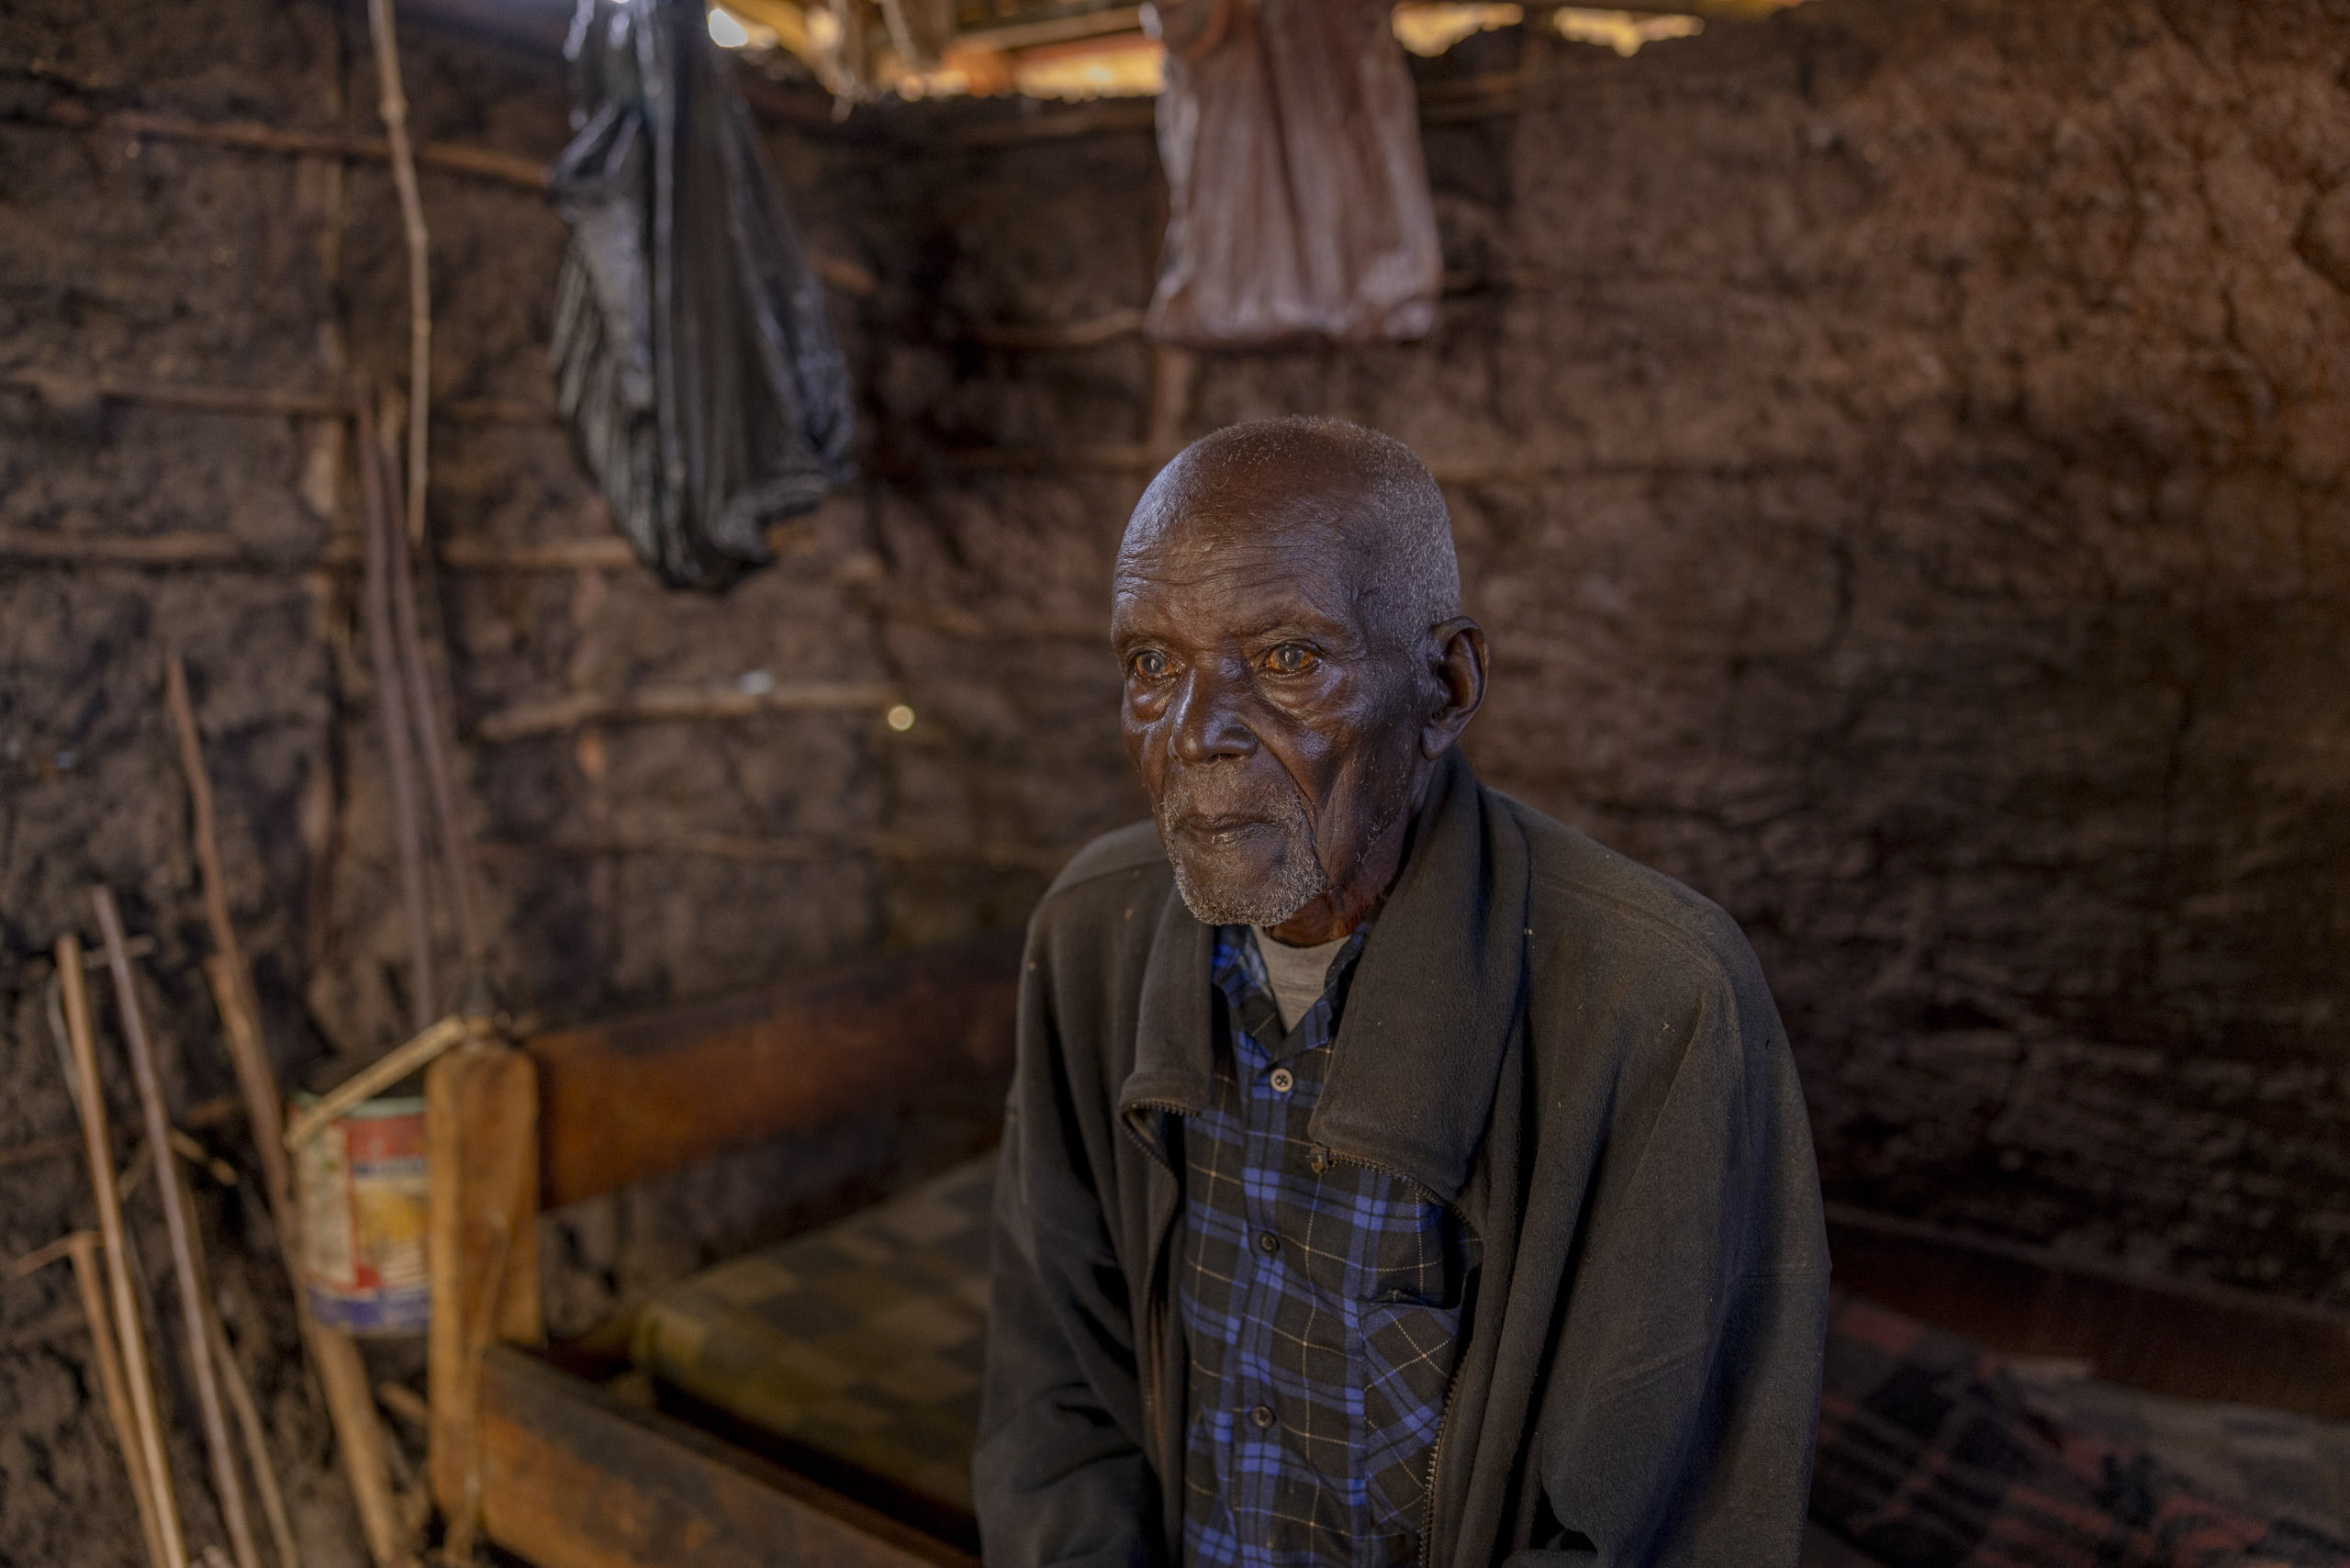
x=1577 y=1053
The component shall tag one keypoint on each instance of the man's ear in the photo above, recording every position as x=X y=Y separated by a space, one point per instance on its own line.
x=1458 y=665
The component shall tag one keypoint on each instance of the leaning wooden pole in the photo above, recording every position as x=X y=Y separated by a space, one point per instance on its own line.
x=179 y=1225
x=358 y=1431
x=391 y=712
x=98 y=1146
x=424 y=711
x=256 y=1436
x=90 y=1281
x=255 y=1081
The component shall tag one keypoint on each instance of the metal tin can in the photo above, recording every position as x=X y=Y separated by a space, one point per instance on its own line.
x=360 y=1185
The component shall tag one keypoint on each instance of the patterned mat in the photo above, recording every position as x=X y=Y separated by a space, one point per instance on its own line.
x=1932 y=1455
x=2270 y=1462
x=860 y=1341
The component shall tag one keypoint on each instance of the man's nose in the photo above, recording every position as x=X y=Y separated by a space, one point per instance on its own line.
x=1207 y=718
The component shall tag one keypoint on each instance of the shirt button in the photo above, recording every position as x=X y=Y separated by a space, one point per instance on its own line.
x=1268 y=1242
x=1262 y=1416
x=1284 y=1081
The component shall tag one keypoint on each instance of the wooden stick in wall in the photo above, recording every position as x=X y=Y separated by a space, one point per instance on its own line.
x=526 y=172
x=391 y=712
x=179 y=1225
x=256 y=1438
x=653 y=704
x=89 y=1281
x=358 y=1433
x=371 y=1081
x=98 y=1146
x=216 y=884
x=424 y=711
x=59 y=390
x=419 y=266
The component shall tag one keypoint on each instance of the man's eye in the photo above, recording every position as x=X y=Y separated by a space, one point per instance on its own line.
x=1291 y=658
x=1150 y=664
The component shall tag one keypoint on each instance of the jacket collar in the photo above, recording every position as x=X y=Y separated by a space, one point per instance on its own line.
x=1435 y=997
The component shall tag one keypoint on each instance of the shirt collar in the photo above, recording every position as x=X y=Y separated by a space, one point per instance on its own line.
x=1236 y=967
x=1432 y=1001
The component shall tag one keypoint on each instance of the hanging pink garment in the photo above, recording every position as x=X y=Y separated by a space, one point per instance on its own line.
x=1298 y=201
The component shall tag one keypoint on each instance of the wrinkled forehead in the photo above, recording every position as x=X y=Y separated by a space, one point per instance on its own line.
x=1195 y=510
x=1228 y=559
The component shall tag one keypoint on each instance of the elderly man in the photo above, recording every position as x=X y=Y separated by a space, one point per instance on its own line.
x=1391 y=1174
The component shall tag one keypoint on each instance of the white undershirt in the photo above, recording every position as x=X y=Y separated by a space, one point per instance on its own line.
x=1296 y=973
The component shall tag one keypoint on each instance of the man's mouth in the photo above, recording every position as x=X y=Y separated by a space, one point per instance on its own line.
x=1219 y=830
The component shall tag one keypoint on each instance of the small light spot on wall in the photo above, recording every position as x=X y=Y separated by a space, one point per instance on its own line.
x=725 y=31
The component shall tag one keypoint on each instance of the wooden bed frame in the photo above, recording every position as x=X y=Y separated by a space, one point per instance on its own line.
x=529 y=1448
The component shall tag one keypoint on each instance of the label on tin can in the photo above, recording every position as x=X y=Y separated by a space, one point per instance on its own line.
x=362 y=1186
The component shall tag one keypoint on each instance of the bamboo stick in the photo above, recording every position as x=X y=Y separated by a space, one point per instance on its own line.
x=391 y=711
x=39 y=1150
x=225 y=552
x=195 y=1154
x=56 y=1326
x=424 y=711
x=997 y=855
x=70 y=390
x=248 y=1056
x=654 y=703
x=405 y=1403
x=359 y=1436
x=89 y=1281
x=412 y=1057
x=454 y=157
x=41 y=1256
x=1092 y=333
x=394 y=107
x=178 y=1224
x=54 y=387
x=206 y=831
x=481 y=161
x=168 y=551
x=608 y=554
x=97 y=1147
x=257 y=1459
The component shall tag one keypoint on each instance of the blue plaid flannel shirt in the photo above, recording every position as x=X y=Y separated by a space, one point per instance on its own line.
x=1322 y=1302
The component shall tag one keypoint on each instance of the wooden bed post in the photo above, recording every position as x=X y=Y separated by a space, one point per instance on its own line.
x=482 y=1148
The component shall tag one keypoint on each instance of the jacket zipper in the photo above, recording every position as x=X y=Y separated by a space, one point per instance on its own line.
x=1435 y=1458
x=1154 y=1330
x=1451 y=1379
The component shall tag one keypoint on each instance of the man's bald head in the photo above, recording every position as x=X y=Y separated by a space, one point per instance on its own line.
x=1326 y=475
x=1286 y=612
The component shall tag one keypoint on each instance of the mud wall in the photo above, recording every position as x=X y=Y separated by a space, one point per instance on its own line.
x=616 y=866
x=1897 y=453
x=1893 y=451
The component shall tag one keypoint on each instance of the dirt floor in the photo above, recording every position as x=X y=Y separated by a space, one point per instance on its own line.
x=1894 y=451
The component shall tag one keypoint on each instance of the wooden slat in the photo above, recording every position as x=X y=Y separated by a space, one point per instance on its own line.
x=480 y=1124
x=574 y=1479
x=622 y=1101
x=2167 y=1336
x=653 y=704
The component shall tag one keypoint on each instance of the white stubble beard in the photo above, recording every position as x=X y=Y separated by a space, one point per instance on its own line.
x=1296 y=881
